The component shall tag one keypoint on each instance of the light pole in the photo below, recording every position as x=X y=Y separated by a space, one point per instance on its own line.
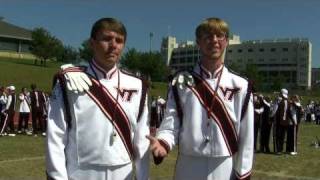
x=150 y=36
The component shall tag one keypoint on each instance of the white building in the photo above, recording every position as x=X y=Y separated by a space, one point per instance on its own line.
x=285 y=59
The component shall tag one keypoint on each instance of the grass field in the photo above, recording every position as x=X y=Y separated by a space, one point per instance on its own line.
x=22 y=157
x=23 y=72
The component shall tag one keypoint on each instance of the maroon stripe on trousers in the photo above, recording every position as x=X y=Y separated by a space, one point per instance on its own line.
x=245 y=176
x=109 y=106
x=217 y=111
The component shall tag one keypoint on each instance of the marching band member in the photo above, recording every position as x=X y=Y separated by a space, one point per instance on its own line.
x=100 y=133
x=209 y=114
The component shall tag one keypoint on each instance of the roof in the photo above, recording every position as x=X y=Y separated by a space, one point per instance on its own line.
x=8 y=30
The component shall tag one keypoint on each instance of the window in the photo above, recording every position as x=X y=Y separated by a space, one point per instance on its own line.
x=285 y=49
x=285 y=59
x=230 y=51
x=261 y=50
x=239 y=50
x=303 y=66
x=250 y=50
x=273 y=49
x=261 y=60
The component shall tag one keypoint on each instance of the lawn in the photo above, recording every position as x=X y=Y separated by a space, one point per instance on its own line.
x=22 y=157
x=23 y=72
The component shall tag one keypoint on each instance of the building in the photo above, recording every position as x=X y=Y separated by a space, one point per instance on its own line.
x=288 y=60
x=315 y=80
x=14 y=41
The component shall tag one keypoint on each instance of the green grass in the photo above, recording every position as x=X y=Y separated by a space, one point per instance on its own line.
x=23 y=157
x=158 y=89
x=22 y=73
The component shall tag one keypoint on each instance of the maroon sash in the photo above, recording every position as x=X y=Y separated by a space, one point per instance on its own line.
x=110 y=108
x=116 y=115
x=216 y=110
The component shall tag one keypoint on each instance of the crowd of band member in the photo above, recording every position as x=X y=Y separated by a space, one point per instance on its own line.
x=281 y=117
x=23 y=106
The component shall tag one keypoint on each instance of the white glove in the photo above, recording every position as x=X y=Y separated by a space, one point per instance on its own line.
x=183 y=80
x=76 y=81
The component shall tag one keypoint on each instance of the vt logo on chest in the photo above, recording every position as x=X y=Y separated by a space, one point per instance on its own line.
x=228 y=93
x=126 y=94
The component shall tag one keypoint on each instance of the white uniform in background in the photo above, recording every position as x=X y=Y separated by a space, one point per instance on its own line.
x=91 y=146
x=3 y=102
x=219 y=147
x=3 y=115
x=24 y=103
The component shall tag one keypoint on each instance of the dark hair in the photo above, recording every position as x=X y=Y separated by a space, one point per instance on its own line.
x=111 y=24
x=33 y=86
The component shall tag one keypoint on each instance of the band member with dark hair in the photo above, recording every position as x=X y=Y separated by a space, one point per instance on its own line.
x=24 y=110
x=99 y=134
x=38 y=101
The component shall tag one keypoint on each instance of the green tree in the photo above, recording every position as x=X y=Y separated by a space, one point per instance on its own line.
x=234 y=66
x=131 y=60
x=85 y=51
x=68 y=55
x=44 y=46
x=149 y=64
x=277 y=82
x=252 y=73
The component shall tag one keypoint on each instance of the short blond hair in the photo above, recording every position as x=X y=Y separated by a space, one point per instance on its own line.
x=211 y=25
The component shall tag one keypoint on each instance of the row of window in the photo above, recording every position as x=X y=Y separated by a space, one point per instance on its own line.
x=184 y=52
x=263 y=50
x=263 y=60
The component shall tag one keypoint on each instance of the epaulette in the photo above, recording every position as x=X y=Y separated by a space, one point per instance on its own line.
x=134 y=74
x=74 y=69
x=180 y=71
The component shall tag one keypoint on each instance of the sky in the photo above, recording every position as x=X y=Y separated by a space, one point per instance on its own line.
x=71 y=20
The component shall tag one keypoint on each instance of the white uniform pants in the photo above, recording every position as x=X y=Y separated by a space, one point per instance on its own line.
x=90 y=172
x=203 y=168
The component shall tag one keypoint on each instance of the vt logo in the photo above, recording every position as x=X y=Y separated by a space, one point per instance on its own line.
x=228 y=93
x=126 y=94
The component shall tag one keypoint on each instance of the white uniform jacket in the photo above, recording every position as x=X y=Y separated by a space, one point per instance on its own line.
x=24 y=103
x=90 y=138
x=229 y=129
x=3 y=102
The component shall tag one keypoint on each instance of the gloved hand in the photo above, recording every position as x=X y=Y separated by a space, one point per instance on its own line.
x=182 y=80
x=76 y=81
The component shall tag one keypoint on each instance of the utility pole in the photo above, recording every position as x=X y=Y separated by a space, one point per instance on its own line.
x=151 y=36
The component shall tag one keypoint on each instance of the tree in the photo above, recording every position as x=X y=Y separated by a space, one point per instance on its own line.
x=252 y=73
x=68 y=55
x=131 y=60
x=149 y=64
x=85 y=51
x=277 y=82
x=44 y=45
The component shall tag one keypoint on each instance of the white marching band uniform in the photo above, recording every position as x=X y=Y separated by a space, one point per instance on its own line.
x=205 y=148
x=24 y=103
x=92 y=148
